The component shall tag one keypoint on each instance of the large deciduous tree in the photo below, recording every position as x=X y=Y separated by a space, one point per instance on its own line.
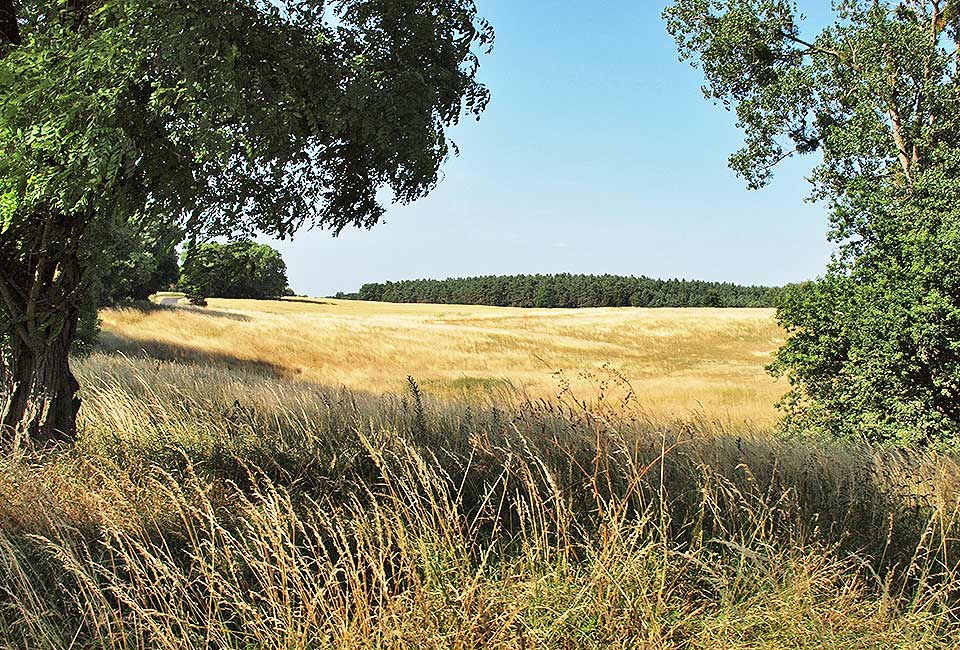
x=874 y=346
x=240 y=269
x=221 y=117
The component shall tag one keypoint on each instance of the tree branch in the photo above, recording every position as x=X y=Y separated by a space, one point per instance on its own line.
x=902 y=153
x=38 y=277
x=16 y=314
x=811 y=47
x=928 y=67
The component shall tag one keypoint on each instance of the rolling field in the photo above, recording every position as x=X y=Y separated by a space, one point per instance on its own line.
x=706 y=364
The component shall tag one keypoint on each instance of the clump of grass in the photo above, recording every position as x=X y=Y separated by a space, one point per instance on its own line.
x=216 y=508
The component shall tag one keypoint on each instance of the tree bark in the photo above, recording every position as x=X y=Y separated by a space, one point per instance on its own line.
x=38 y=391
x=39 y=403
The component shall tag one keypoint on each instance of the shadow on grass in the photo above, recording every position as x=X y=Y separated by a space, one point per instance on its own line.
x=110 y=343
x=147 y=307
x=308 y=301
x=212 y=313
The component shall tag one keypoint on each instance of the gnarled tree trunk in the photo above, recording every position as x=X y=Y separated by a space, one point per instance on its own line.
x=39 y=401
x=40 y=289
x=40 y=295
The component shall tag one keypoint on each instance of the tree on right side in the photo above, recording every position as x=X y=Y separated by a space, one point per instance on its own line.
x=873 y=347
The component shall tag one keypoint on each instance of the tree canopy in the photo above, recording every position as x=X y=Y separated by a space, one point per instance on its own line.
x=137 y=263
x=223 y=117
x=241 y=269
x=874 y=346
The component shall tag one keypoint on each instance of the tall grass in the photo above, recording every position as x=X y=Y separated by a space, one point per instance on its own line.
x=213 y=508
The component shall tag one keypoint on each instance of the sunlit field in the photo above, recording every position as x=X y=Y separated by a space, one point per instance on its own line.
x=263 y=475
x=681 y=363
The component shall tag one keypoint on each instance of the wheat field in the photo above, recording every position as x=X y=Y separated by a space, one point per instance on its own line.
x=705 y=364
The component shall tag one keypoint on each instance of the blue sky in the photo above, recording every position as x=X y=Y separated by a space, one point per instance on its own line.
x=597 y=154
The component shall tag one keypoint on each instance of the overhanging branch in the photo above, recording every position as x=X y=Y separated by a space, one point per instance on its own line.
x=811 y=47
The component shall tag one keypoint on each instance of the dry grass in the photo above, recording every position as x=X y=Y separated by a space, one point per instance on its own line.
x=207 y=507
x=708 y=362
x=211 y=503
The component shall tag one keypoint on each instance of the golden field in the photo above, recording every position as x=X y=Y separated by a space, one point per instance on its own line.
x=704 y=364
x=217 y=504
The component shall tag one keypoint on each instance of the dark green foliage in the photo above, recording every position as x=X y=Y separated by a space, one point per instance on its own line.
x=874 y=349
x=88 y=327
x=142 y=260
x=566 y=290
x=242 y=269
x=874 y=346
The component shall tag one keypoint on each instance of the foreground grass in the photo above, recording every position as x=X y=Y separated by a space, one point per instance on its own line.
x=213 y=508
x=679 y=361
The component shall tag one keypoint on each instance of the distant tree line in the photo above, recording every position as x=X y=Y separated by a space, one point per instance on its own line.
x=567 y=290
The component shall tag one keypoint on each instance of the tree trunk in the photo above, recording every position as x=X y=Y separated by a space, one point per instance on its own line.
x=38 y=392
x=39 y=402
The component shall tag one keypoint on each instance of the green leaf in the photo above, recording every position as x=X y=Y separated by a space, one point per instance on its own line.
x=8 y=208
